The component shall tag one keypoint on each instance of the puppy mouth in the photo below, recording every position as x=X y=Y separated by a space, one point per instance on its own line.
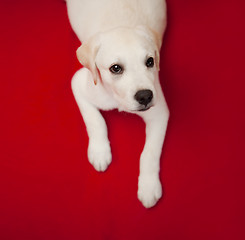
x=144 y=108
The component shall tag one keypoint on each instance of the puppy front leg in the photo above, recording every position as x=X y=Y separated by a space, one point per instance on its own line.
x=99 y=151
x=149 y=185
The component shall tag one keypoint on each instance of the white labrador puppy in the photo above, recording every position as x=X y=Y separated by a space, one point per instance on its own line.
x=121 y=40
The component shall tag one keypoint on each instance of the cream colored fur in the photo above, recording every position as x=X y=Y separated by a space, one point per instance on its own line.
x=126 y=33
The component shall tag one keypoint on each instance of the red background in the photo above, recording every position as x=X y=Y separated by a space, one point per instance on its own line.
x=48 y=190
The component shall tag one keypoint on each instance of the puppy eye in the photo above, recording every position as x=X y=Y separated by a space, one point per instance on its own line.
x=116 y=69
x=150 y=62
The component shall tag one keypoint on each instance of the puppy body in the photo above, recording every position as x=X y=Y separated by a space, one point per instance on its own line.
x=121 y=40
x=88 y=17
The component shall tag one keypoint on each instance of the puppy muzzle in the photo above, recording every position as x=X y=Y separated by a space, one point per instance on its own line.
x=144 y=98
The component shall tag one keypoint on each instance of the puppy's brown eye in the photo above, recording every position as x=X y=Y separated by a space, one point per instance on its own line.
x=150 y=62
x=116 y=69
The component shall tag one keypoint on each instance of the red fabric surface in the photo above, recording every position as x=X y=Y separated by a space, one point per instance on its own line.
x=48 y=190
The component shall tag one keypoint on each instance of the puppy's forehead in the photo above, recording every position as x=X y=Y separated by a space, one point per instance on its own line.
x=123 y=41
x=123 y=35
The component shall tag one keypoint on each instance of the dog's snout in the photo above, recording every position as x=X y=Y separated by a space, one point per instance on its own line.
x=144 y=97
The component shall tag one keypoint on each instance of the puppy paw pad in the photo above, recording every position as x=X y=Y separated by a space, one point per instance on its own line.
x=99 y=156
x=149 y=190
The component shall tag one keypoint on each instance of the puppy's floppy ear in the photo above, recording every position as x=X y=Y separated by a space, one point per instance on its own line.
x=154 y=37
x=158 y=41
x=157 y=57
x=86 y=54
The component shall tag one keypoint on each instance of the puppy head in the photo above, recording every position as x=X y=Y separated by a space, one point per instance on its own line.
x=126 y=61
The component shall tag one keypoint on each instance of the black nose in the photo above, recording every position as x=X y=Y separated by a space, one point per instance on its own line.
x=144 y=97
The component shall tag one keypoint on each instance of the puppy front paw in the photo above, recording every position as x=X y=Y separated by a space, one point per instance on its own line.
x=149 y=190
x=99 y=155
